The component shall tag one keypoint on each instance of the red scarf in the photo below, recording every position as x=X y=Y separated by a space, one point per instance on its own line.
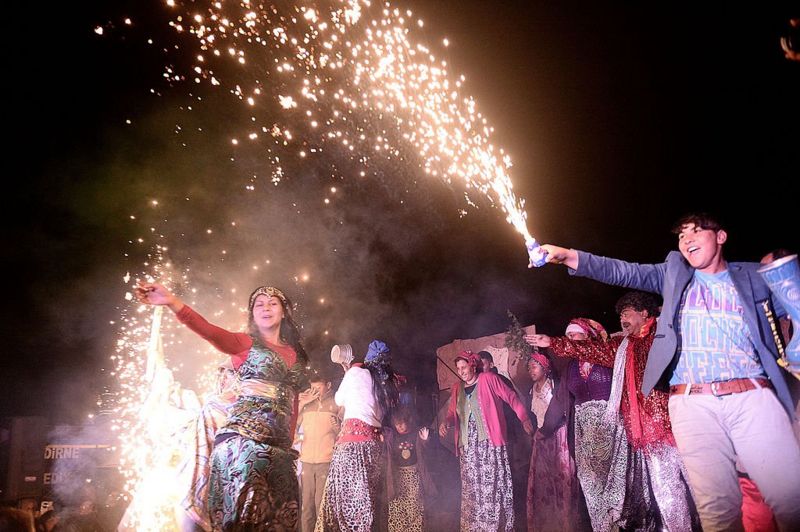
x=630 y=382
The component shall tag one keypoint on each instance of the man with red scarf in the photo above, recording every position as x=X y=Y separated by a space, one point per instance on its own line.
x=647 y=480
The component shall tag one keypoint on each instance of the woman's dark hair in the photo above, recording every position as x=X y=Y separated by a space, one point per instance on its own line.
x=289 y=331
x=384 y=386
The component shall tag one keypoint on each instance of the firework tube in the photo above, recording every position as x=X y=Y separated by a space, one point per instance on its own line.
x=537 y=255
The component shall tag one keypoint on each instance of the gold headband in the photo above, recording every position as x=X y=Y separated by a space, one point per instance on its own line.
x=269 y=291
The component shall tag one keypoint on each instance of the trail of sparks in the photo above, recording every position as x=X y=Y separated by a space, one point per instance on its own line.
x=347 y=75
x=152 y=408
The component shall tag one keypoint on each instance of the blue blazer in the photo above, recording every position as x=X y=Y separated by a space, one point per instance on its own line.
x=670 y=279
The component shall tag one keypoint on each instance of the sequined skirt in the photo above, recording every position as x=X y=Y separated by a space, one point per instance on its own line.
x=642 y=489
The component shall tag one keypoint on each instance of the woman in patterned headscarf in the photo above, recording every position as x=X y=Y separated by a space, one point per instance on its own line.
x=253 y=479
x=353 y=497
x=479 y=429
x=583 y=392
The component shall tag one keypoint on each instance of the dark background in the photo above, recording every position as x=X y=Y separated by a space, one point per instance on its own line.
x=618 y=119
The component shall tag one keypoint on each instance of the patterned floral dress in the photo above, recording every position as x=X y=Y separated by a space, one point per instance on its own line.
x=487 y=497
x=253 y=476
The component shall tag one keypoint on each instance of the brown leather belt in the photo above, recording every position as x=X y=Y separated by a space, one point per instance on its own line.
x=720 y=388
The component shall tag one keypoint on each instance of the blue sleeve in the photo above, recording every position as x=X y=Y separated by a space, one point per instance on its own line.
x=646 y=277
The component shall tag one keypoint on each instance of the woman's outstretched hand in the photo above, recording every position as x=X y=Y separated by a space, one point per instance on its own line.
x=157 y=294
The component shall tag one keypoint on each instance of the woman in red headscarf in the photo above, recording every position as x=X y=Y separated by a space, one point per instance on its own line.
x=553 y=496
x=476 y=415
x=582 y=391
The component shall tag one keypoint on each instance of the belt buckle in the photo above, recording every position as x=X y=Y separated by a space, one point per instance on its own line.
x=715 y=393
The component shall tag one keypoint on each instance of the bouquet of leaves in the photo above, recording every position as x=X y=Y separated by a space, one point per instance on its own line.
x=515 y=340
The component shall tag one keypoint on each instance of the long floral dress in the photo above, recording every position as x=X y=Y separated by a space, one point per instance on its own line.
x=253 y=475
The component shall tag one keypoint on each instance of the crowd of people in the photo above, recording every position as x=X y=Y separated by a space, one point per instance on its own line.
x=680 y=421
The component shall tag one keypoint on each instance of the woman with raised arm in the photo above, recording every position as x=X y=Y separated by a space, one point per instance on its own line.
x=253 y=479
x=354 y=495
x=353 y=499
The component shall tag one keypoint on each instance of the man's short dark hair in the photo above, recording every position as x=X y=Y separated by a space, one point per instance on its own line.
x=486 y=355
x=638 y=301
x=703 y=220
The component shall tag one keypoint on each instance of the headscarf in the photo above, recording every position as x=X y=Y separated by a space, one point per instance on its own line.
x=542 y=360
x=471 y=359
x=378 y=357
x=591 y=328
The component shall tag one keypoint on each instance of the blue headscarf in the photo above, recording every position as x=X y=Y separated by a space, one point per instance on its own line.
x=378 y=357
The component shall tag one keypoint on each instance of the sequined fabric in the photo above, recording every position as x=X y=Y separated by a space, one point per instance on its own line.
x=354 y=429
x=652 y=424
x=666 y=477
x=601 y=458
x=595 y=387
x=636 y=489
x=632 y=478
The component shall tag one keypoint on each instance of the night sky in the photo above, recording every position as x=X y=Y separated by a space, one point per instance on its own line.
x=618 y=120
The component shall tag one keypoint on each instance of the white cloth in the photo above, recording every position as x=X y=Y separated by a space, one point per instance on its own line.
x=356 y=396
x=540 y=401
